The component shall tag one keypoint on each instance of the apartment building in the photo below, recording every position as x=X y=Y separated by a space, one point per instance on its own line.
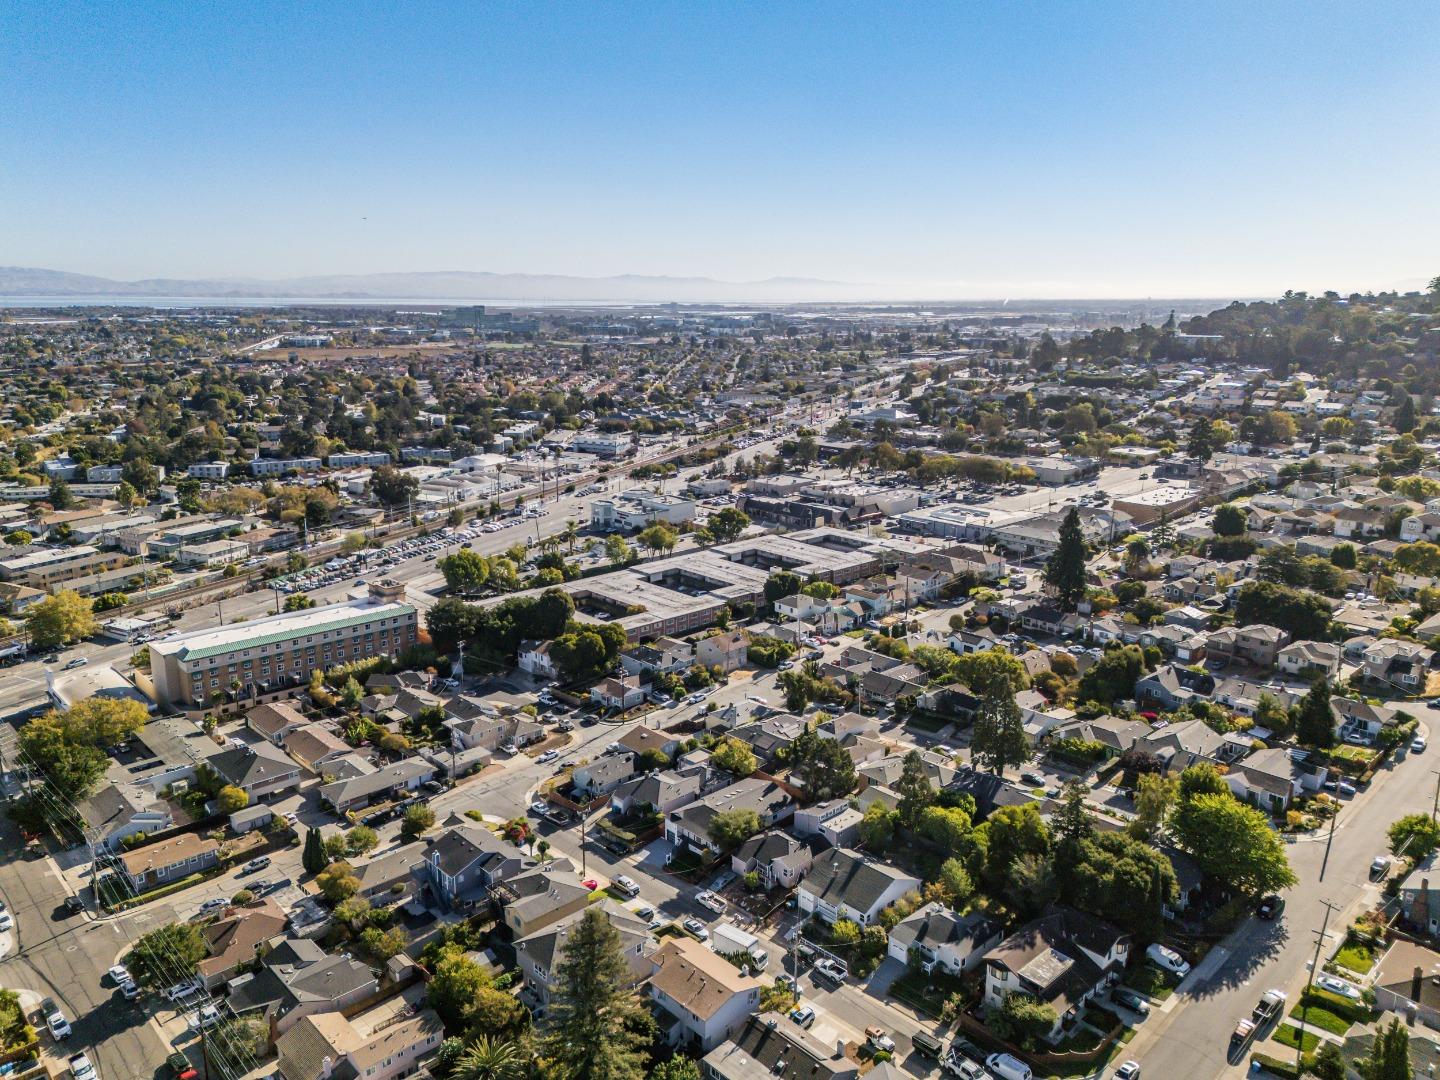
x=49 y=567
x=281 y=466
x=366 y=459
x=282 y=650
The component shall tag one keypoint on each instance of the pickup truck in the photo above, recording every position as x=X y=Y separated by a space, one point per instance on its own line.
x=1270 y=1006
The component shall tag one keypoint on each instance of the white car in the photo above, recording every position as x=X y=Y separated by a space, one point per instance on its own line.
x=1418 y=744
x=81 y=1068
x=209 y=1016
x=539 y=808
x=548 y=756
x=1168 y=960
x=1130 y=1070
x=119 y=975
x=708 y=899
x=626 y=885
x=6 y=922
x=1339 y=986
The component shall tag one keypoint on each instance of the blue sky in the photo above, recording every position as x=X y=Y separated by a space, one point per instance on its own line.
x=959 y=149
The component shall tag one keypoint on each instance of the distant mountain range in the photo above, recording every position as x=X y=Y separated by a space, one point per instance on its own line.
x=442 y=285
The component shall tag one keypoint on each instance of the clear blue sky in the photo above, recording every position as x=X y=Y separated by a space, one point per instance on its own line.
x=968 y=148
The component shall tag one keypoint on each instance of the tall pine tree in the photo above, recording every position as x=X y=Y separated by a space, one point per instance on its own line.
x=998 y=738
x=597 y=1027
x=1314 y=720
x=1065 y=569
x=914 y=788
x=313 y=857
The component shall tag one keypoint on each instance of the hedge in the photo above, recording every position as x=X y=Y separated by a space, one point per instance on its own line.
x=1276 y=1065
x=1357 y=1012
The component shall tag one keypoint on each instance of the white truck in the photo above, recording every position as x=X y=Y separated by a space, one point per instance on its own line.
x=727 y=939
x=1270 y=1006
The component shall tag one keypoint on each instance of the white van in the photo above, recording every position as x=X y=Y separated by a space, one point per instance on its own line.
x=1008 y=1067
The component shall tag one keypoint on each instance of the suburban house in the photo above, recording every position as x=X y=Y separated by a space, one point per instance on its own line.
x=772 y=1046
x=835 y=822
x=314 y=746
x=846 y=884
x=168 y=860
x=1354 y=717
x=464 y=861
x=1405 y=983
x=273 y=722
x=120 y=810
x=387 y=876
x=539 y=954
x=707 y=997
x=640 y=739
x=258 y=769
x=1171 y=686
x=1063 y=959
x=1396 y=663
x=939 y=937
x=1257 y=644
x=327 y=1046
x=622 y=694
x=664 y=655
x=660 y=791
x=725 y=650
x=539 y=896
x=534 y=658
x=690 y=825
x=1192 y=742
x=1271 y=779
x=237 y=938
x=603 y=775
x=1310 y=660
x=358 y=791
x=779 y=859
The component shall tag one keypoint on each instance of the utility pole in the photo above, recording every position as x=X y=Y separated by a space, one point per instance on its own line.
x=1330 y=908
x=584 y=823
x=1435 y=806
x=1329 y=839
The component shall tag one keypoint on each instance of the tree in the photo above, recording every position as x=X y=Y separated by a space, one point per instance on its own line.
x=780 y=584
x=166 y=956
x=1229 y=520
x=1064 y=572
x=597 y=1027
x=877 y=827
x=730 y=828
x=361 y=839
x=1154 y=796
x=1021 y=1019
x=1112 y=677
x=617 y=551
x=659 y=537
x=914 y=788
x=1202 y=779
x=465 y=571
x=1329 y=1063
x=485 y=1058
x=1202 y=439
x=391 y=487
x=455 y=984
x=59 y=496
x=727 y=524
x=733 y=756
x=383 y=944
x=337 y=881
x=312 y=858
x=231 y=799
x=954 y=882
x=60 y=619
x=1232 y=843
x=71 y=769
x=418 y=818
x=823 y=767
x=1404 y=421
x=998 y=738
x=991 y=669
x=1414 y=836
x=1390 y=1055
x=101 y=721
x=1314 y=720
x=1305 y=616
x=677 y=1068
x=1011 y=833
x=1117 y=877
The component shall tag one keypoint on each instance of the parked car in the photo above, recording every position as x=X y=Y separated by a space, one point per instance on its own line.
x=1270 y=907
x=708 y=899
x=55 y=1020
x=880 y=1039
x=1418 y=744
x=79 y=661
x=803 y=1015
x=548 y=756
x=626 y=885
x=81 y=1069
x=538 y=808
x=6 y=922
x=119 y=974
x=1339 y=986
x=180 y=1067
x=1168 y=960
x=255 y=865
x=209 y=907
x=1130 y=1070
x=1133 y=1001
x=696 y=927
x=1008 y=1067
x=834 y=970
x=1379 y=866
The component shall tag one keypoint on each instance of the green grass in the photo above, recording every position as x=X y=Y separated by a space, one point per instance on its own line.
x=1080 y=1040
x=1289 y=1035
x=1151 y=981
x=1356 y=957
x=1322 y=1018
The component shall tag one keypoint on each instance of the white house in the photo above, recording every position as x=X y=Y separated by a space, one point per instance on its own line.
x=846 y=884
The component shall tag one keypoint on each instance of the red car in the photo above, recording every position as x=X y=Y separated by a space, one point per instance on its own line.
x=591 y=884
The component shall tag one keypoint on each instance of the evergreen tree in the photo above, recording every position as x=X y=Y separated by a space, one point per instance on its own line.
x=914 y=789
x=313 y=858
x=1314 y=722
x=1065 y=569
x=1202 y=439
x=1405 y=415
x=998 y=738
x=597 y=1027
x=1390 y=1056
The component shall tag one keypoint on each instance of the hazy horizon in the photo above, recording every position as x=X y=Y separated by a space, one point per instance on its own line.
x=934 y=152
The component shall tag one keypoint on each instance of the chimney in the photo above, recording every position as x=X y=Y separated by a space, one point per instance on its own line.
x=839 y=1048
x=326 y=1067
x=1420 y=912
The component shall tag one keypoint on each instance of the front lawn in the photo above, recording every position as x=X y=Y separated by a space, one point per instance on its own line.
x=1150 y=981
x=1321 y=1018
x=1081 y=1040
x=1356 y=956
x=1289 y=1035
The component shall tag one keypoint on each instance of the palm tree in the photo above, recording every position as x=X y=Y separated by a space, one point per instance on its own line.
x=570 y=534
x=491 y=1059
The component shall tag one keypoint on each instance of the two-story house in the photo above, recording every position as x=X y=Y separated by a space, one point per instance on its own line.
x=539 y=954
x=275 y=721
x=935 y=936
x=706 y=997
x=1257 y=644
x=1062 y=959
x=690 y=825
x=1310 y=660
x=118 y=811
x=258 y=769
x=725 y=650
x=844 y=884
x=464 y=861
x=779 y=858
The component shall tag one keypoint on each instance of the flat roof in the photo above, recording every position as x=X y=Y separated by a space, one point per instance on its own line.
x=203 y=643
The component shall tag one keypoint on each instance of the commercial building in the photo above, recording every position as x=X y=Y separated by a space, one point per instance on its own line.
x=213 y=553
x=601 y=444
x=272 y=653
x=1170 y=501
x=49 y=567
x=168 y=542
x=637 y=509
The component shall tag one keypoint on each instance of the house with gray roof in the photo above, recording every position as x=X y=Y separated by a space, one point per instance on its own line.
x=690 y=825
x=774 y=1046
x=258 y=769
x=538 y=954
x=389 y=780
x=463 y=862
x=846 y=884
x=120 y=810
x=294 y=982
x=939 y=937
